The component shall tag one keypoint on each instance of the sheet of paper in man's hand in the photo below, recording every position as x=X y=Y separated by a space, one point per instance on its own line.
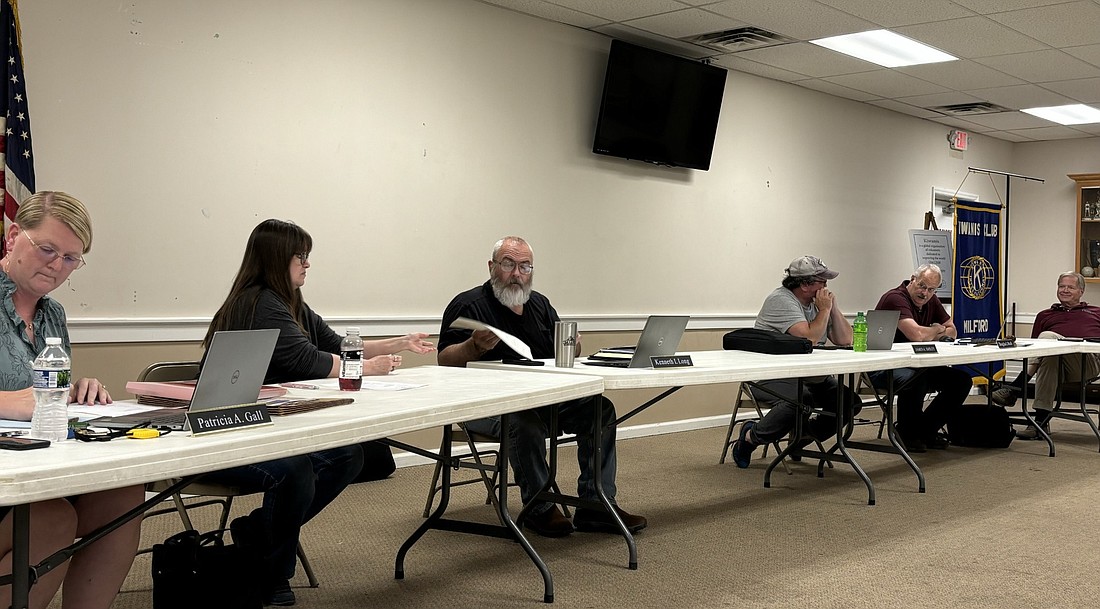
x=516 y=344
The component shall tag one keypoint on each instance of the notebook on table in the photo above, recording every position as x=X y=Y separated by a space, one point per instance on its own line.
x=232 y=374
x=660 y=337
x=881 y=327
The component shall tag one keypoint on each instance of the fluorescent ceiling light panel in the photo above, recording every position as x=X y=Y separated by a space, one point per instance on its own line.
x=884 y=48
x=1073 y=114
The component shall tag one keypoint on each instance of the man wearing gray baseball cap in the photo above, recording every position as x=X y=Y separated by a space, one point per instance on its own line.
x=801 y=306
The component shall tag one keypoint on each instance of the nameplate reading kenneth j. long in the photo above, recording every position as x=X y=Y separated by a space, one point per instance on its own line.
x=1005 y=343
x=232 y=417
x=925 y=349
x=670 y=361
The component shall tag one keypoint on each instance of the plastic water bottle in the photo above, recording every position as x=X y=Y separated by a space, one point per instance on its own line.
x=52 y=372
x=351 y=361
x=859 y=333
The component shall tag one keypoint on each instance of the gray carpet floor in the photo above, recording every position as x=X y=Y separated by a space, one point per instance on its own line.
x=996 y=528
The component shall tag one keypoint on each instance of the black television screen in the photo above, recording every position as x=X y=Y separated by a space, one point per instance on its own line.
x=658 y=107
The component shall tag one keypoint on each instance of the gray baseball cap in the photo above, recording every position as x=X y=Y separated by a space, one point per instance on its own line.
x=810 y=266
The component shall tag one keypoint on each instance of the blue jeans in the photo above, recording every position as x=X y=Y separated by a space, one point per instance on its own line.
x=295 y=490
x=528 y=431
x=912 y=384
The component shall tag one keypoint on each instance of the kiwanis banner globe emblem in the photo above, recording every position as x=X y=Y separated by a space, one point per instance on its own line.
x=976 y=293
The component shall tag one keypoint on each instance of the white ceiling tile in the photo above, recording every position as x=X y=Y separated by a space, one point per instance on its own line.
x=962 y=74
x=688 y=22
x=897 y=106
x=801 y=19
x=1005 y=121
x=1021 y=96
x=947 y=98
x=1042 y=66
x=886 y=83
x=735 y=62
x=808 y=59
x=971 y=37
x=837 y=90
x=985 y=7
x=1093 y=129
x=1085 y=90
x=1057 y=132
x=647 y=39
x=1008 y=136
x=615 y=10
x=893 y=14
x=1089 y=53
x=961 y=123
x=1060 y=25
x=553 y=12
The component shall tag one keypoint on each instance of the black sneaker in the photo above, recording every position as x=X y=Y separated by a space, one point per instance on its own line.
x=1005 y=396
x=279 y=595
x=937 y=441
x=742 y=448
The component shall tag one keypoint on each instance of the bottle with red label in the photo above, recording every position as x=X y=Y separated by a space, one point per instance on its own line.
x=351 y=361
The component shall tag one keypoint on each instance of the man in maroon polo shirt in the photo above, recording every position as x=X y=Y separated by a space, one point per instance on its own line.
x=1070 y=317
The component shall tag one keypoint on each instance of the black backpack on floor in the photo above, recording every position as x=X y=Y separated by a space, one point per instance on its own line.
x=980 y=426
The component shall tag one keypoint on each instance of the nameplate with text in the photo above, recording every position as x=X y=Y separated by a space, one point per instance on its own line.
x=1005 y=343
x=925 y=349
x=231 y=417
x=670 y=361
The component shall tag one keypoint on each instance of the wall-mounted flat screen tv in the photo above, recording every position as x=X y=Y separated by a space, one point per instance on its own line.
x=659 y=108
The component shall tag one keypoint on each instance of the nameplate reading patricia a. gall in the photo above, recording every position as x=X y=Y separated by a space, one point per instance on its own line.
x=231 y=417
x=670 y=361
x=925 y=349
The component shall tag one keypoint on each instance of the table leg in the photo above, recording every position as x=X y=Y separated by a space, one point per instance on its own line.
x=20 y=556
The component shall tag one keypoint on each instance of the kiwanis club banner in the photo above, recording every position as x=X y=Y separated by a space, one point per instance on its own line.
x=976 y=294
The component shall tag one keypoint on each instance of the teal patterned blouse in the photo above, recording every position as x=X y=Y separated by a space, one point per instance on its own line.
x=16 y=352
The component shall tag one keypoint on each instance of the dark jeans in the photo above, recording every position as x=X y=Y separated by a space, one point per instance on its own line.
x=529 y=430
x=912 y=384
x=780 y=419
x=295 y=490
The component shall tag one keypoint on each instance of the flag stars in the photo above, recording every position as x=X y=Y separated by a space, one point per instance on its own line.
x=25 y=135
x=21 y=116
x=11 y=60
x=15 y=79
x=18 y=97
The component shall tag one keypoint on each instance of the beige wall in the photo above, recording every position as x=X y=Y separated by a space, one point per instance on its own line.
x=408 y=136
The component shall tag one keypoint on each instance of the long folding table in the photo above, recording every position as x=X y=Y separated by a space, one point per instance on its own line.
x=449 y=395
x=712 y=367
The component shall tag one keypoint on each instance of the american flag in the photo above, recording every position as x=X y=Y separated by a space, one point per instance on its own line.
x=15 y=145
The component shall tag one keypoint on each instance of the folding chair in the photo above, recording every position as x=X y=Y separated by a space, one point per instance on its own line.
x=199 y=494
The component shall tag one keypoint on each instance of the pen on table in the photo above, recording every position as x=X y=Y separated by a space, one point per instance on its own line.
x=11 y=434
x=299 y=386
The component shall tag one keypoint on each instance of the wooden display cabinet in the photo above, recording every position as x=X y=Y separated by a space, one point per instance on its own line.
x=1088 y=225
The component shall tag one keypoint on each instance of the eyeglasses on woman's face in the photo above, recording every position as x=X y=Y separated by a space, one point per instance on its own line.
x=302 y=257
x=47 y=254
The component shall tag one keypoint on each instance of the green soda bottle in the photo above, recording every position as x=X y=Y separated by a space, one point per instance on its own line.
x=859 y=333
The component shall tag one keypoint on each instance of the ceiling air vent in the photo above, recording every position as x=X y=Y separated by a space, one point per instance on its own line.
x=969 y=109
x=739 y=39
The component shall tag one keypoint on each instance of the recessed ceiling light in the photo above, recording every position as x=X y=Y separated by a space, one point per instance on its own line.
x=884 y=48
x=1073 y=114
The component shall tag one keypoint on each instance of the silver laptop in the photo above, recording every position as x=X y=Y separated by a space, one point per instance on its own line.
x=660 y=336
x=232 y=374
x=881 y=327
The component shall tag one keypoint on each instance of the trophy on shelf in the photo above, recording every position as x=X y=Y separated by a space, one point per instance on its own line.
x=1094 y=253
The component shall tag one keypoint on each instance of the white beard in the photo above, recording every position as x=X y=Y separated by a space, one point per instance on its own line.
x=511 y=295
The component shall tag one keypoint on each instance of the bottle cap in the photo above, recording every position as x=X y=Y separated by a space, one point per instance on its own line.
x=353 y=329
x=53 y=340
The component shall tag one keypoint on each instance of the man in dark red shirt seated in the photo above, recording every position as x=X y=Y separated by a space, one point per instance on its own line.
x=923 y=319
x=1067 y=318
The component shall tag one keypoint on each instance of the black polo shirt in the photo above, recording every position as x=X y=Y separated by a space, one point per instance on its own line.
x=535 y=327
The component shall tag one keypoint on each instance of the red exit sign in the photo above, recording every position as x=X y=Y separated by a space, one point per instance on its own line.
x=958 y=139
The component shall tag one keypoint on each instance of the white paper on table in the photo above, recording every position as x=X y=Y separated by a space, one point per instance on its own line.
x=388 y=385
x=13 y=424
x=108 y=410
x=516 y=344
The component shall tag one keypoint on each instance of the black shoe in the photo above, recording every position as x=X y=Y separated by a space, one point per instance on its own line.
x=280 y=595
x=742 y=448
x=937 y=441
x=551 y=523
x=913 y=444
x=599 y=520
x=241 y=532
x=1005 y=396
